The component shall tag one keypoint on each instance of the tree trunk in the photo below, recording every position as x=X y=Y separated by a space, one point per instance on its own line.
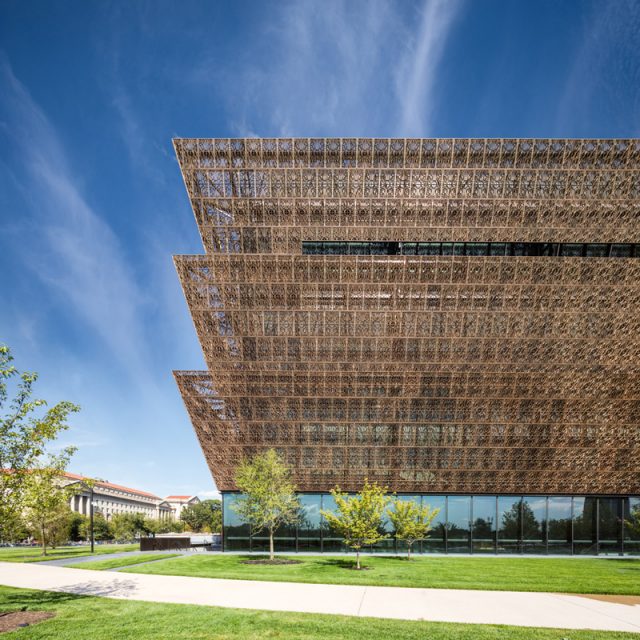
x=358 y=558
x=271 y=554
x=43 y=541
x=408 y=550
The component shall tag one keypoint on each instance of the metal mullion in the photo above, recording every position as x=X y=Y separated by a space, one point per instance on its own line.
x=573 y=543
x=446 y=524
x=597 y=499
x=546 y=526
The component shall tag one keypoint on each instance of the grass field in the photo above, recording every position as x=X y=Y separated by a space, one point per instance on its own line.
x=80 y=617
x=569 y=575
x=34 y=554
x=115 y=563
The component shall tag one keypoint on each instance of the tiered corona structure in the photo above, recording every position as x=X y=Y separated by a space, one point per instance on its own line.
x=440 y=316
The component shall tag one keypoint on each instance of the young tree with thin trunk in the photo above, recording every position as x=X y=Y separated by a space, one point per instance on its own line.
x=359 y=519
x=411 y=521
x=269 y=499
x=46 y=499
x=25 y=430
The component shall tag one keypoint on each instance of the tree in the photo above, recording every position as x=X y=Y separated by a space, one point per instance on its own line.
x=24 y=433
x=633 y=524
x=127 y=526
x=46 y=499
x=203 y=516
x=101 y=528
x=269 y=499
x=411 y=521
x=77 y=526
x=153 y=526
x=359 y=518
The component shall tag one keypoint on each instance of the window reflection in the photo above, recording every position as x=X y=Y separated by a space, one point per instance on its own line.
x=534 y=524
x=484 y=524
x=458 y=525
x=609 y=525
x=631 y=525
x=436 y=540
x=559 y=525
x=236 y=533
x=584 y=525
x=509 y=524
x=503 y=524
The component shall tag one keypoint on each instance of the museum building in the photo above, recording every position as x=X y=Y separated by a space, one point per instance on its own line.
x=456 y=319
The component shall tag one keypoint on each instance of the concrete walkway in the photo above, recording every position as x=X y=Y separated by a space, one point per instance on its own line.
x=445 y=605
x=63 y=562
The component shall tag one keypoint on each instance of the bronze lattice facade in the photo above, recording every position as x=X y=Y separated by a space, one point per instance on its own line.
x=441 y=316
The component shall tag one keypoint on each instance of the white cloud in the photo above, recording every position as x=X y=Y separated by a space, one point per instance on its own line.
x=70 y=247
x=208 y=495
x=418 y=72
x=340 y=67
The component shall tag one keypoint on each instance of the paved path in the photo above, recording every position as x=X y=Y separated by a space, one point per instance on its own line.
x=63 y=562
x=445 y=605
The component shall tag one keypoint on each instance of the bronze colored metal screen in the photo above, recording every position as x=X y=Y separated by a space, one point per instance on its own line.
x=481 y=373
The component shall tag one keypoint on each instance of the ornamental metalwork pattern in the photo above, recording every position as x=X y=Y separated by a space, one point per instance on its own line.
x=448 y=373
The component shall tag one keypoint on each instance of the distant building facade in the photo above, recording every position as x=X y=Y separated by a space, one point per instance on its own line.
x=178 y=503
x=114 y=499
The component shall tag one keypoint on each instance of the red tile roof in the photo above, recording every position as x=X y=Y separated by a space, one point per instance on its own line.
x=109 y=485
x=179 y=497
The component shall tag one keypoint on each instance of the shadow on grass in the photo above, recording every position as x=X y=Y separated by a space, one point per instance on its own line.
x=32 y=600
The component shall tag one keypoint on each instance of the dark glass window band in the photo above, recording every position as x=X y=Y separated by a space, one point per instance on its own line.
x=550 y=249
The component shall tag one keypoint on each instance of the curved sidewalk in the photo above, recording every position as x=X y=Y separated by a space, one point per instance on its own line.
x=442 y=605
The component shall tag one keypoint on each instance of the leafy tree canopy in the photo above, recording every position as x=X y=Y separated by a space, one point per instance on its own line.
x=411 y=521
x=269 y=499
x=205 y=516
x=359 y=518
x=26 y=427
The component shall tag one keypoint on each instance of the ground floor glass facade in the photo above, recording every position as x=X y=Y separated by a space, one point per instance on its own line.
x=480 y=524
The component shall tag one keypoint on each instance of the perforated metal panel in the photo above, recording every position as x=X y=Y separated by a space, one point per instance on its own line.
x=490 y=374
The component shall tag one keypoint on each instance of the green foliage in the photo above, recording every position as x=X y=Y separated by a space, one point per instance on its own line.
x=359 y=518
x=25 y=430
x=633 y=524
x=46 y=500
x=174 y=526
x=205 y=516
x=77 y=526
x=411 y=521
x=127 y=526
x=269 y=499
x=101 y=528
x=130 y=526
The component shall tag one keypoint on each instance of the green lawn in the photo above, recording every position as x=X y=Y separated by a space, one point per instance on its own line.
x=570 y=575
x=34 y=554
x=81 y=617
x=115 y=563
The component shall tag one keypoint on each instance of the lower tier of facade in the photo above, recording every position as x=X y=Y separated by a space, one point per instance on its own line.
x=503 y=524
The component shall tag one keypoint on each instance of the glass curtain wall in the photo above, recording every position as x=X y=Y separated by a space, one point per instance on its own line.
x=551 y=525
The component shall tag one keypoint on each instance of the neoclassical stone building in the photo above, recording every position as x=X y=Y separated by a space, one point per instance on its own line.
x=111 y=499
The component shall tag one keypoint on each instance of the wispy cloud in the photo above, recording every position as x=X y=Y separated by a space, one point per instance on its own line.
x=356 y=67
x=70 y=247
x=81 y=438
x=419 y=67
x=208 y=495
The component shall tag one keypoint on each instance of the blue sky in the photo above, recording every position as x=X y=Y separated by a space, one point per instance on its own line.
x=92 y=205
